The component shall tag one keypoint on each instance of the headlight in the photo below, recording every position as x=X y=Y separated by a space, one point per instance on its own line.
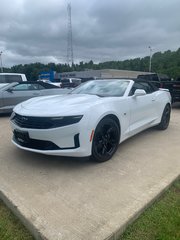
x=64 y=121
x=12 y=115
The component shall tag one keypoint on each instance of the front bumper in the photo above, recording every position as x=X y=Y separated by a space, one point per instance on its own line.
x=72 y=140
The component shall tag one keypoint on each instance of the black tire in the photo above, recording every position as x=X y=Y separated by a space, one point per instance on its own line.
x=105 y=140
x=165 y=118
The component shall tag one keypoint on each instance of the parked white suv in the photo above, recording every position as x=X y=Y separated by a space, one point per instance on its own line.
x=6 y=78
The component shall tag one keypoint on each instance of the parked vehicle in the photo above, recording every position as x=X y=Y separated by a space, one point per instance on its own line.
x=92 y=120
x=57 y=84
x=70 y=82
x=14 y=93
x=163 y=81
x=6 y=78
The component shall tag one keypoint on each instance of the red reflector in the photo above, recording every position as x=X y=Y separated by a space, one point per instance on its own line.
x=92 y=134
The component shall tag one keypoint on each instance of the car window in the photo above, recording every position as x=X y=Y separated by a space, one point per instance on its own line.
x=77 y=81
x=39 y=87
x=36 y=86
x=65 y=80
x=10 y=78
x=25 y=87
x=142 y=85
x=150 y=77
x=2 y=79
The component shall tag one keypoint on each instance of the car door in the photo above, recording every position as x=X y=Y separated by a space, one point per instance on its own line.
x=142 y=108
x=19 y=93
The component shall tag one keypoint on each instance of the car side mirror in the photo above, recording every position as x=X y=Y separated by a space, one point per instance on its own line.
x=10 y=90
x=139 y=92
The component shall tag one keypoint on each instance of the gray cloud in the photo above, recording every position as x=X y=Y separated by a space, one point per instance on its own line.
x=32 y=30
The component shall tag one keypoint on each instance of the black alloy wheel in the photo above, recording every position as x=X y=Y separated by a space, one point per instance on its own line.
x=165 y=118
x=105 y=140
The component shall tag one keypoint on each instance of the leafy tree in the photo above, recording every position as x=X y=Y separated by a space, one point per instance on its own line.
x=167 y=63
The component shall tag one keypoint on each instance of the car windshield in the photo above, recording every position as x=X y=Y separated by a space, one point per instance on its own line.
x=103 y=88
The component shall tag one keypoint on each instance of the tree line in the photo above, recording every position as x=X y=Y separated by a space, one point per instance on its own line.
x=167 y=62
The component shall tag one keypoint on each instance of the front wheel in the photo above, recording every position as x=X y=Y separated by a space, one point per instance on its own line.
x=165 y=118
x=105 y=140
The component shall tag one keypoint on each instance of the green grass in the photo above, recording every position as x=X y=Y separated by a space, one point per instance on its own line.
x=10 y=227
x=159 y=222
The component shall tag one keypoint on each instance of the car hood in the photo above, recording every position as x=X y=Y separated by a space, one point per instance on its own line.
x=3 y=85
x=69 y=104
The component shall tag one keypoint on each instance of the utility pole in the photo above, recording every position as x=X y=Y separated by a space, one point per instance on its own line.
x=150 y=57
x=1 y=61
x=70 y=60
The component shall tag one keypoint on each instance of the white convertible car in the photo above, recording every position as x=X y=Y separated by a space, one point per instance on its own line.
x=91 y=120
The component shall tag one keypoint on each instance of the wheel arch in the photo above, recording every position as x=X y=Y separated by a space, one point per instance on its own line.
x=114 y=117
x=163 y=124
x=167 y=104
x=109 y=117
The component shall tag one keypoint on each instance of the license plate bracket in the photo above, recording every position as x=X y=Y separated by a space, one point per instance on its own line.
x=21 y=136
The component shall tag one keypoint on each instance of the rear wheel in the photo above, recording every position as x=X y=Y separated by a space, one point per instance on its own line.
x=165 y=118
x=106 y=140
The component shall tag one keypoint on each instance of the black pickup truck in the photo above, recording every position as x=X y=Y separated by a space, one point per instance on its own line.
x=163 y=81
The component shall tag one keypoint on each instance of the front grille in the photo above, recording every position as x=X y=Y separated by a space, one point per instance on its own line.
x=37 y=144
x=43 y=144
x=32 y=122
x=44 y=122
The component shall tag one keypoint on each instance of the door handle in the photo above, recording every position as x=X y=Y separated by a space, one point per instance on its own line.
x=153 y=99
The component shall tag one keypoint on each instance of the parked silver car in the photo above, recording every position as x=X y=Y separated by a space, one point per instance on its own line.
x=14 y=93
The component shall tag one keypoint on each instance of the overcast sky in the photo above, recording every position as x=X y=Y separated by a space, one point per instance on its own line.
x=36 y=30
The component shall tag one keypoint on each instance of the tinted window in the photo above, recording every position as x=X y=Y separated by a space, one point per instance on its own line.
x=35 y=86
x=13 y=78
x=76 y=81
x=65 y=81
x=164 y=77
x=150 y=77
x=10 y=78
x=40 y=87
x=26 y=87
x=20 y=87
x=2 y=79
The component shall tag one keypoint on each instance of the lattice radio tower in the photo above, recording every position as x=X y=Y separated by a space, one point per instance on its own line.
x=69 y=38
